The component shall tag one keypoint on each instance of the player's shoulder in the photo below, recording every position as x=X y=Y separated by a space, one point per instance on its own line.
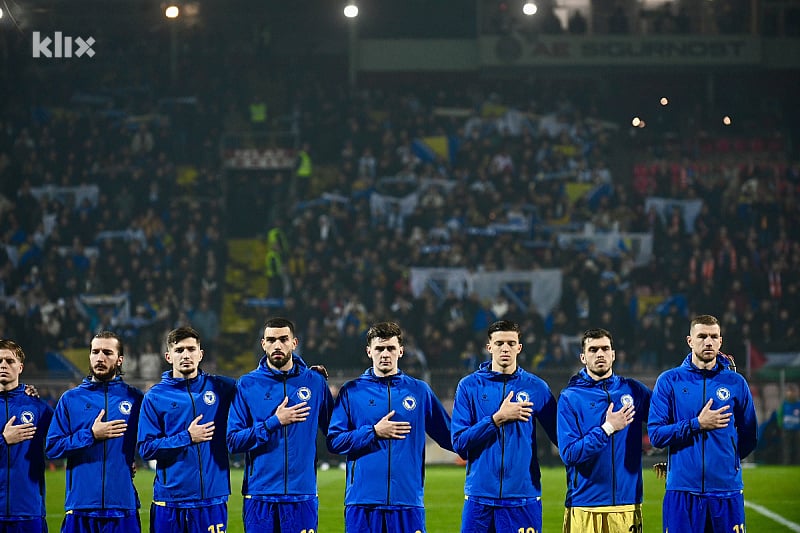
x=635 y=385
x=531 y=379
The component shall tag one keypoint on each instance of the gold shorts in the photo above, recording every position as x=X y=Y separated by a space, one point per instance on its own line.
x=608 y=519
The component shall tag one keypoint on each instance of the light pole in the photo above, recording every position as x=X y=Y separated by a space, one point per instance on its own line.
x=172 y=12
x=351 y=12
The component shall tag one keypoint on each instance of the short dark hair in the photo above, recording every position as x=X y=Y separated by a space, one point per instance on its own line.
x=504 y=325
x=278 y=322
x=596 y=333
x=111 y=335
x=8 y=344
x=706 y=320
x=178 y=334
x=385 y=330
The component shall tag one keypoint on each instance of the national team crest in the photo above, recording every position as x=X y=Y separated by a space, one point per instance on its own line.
x=125 y=407
x=523 y=396
x=626 y=400
x=209 y=397
x=304 y=393
x=26 y=417
x=409 y=403
x=723 y=393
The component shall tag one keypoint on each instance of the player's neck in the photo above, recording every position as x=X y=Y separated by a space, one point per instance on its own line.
x=504 y=369
x=382 y=374
x=598 y=377
x=285 y=368
x=704 y=365
x=179 y=375
x=5 y=387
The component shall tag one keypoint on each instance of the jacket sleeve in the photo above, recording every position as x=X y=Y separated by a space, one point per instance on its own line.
x=663 y=430
x=345 y=439
x=470 y=435
x=437 y=421
x=325 y=410
x=62 y=439
x=746 y=423
x=153 y=443
x=244 y=433
x=574 y=446
x=547 y=416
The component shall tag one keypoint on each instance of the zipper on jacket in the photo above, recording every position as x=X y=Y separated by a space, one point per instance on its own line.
x=285 y=445
x=735 y=455
x=613 y=456
x=105 y=452
x=197 y=447
x=502 y=443
x=703 y=436
x=389 y=463
x=8 y=465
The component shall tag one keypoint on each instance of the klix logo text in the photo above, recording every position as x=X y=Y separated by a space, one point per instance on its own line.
x=62 y=46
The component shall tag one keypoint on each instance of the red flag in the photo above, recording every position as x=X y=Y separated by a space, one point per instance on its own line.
x=755 y=358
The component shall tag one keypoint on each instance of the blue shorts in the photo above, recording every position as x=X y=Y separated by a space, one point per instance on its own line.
x=482 y=518
x=684 y=511
x=280 y=517
x=127 y=522
x=212 y=518
x=29 y=525
x=372 y=519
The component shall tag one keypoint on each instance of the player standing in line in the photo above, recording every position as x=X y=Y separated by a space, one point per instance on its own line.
x=182 y=428
x=600 y=421
x=702 y=412
x=495 y=431
x=94 y=429
x=21 y=448
x=379 y=422
x=278 y=409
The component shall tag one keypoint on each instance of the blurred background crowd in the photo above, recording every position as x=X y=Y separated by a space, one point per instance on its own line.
x=243 y=176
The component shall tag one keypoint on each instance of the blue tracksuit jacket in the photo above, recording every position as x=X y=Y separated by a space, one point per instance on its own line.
x=187 y=473
x=601 y=470
x=279 y=460
x=501 y=461
x=98 y=472
x=22 y=464
x=702 y=461
x=386 y=472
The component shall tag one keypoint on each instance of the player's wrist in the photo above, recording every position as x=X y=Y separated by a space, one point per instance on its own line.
x=608 y=428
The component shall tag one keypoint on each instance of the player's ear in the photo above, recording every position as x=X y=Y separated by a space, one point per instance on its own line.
x=689 y=340
x=167 y=358
x=583 y=358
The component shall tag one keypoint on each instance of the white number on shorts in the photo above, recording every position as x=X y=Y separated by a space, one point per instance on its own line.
x=526 y=530
x=219 y=528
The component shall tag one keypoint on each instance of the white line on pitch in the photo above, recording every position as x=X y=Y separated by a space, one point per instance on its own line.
x=760 y=509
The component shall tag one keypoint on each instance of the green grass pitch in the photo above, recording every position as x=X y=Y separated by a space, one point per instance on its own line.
x=772 y=487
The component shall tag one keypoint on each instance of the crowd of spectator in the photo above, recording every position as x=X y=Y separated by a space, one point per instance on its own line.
x=156 y=229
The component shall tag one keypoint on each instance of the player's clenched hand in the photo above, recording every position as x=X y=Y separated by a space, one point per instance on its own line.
x=714 y=418
x=108 y=430
x=201 y=432
x=386 y=429
x=17 y=433
x=620 y=419
x=291 y=415
x=512 y=411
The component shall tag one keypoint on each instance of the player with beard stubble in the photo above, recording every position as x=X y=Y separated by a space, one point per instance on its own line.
x=94 y=429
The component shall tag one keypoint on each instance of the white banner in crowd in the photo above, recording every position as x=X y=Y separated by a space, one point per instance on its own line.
x=544 y=286
x=689 y=209
x=640 y=245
